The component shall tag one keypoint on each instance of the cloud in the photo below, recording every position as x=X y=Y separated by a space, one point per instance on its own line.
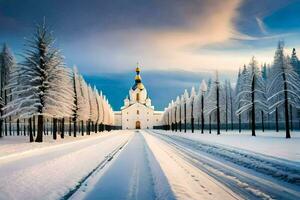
x=261 y=26
x=169 y=47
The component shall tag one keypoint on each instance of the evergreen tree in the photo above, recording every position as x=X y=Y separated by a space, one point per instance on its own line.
x=252 y=95
x=44 y=88
x=7 y=67
x=283 y=85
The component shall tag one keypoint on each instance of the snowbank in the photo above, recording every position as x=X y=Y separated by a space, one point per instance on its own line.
x=268 y=143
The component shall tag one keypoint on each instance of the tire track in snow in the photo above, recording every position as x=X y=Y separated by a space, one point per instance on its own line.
x=241 y=182
x=99 y=167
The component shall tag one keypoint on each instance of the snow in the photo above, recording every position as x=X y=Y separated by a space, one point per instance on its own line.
x=187 y=181
x=249 y=174
x=137 y=175
x=49 y=171
x=152 y=164
x=269 y=143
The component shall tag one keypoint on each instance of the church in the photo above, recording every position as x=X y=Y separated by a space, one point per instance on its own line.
x=137 y=112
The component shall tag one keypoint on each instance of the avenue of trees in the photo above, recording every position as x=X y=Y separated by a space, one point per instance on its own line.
x=41 y=96
x=266 y=96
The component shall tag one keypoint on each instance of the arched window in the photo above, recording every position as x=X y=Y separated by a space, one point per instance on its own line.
x=137 y=112
x=137 y=96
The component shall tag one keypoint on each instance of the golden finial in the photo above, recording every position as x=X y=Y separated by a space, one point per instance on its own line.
x=137 y=69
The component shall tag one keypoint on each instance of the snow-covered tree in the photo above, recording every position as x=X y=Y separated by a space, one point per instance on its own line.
x=178 y=113
x=184 y=102
x=7 y=66
x=43 y=89
x=190 y=108
x=295 y=61
x=252 y=95
x=229 y=103
x=173 y=115
x=283 y=86
x=214 y=102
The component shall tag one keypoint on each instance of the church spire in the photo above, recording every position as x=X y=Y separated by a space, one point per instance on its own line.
x=138 y=79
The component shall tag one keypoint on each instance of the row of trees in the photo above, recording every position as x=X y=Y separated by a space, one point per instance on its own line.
x=42 y=87
x=271 y=92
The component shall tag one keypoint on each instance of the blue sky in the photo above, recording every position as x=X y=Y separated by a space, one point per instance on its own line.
x=186 y=39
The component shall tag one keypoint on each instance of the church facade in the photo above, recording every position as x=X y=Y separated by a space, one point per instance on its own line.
x=137 y=112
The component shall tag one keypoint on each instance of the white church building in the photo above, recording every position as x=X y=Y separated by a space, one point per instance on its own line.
x=137 y=112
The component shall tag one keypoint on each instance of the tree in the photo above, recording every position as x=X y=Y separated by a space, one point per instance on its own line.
x=83 y=102
x=294 y=61
x=7 y=66
x=252 y=95
x=190 y=108
x=214 y=101
x=178 y=117
x=283 y=85
x=44 y=88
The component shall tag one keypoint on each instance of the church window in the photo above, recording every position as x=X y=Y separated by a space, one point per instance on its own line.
x=137 y=96
x=137 y=112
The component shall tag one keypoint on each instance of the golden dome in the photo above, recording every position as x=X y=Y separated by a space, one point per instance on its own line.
x=137 y=77
x=137 y=69
x=140 y=86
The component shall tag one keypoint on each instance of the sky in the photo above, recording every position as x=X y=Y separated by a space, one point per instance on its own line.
x=181 y=41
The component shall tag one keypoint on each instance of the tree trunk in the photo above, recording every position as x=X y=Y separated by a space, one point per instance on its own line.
x=1 y=127
x=9 y=125
x=62 y=134
x=82 y=128
x=262 y=121
x=54 y=129
x=47 y=126
x=202 y=113
x=192 y=117
x=291 y=115
x=276 y=119
x=286 y=107
x=218 y=111
x=5 y=126
x=209 y=123
x=33 y=125
x=226 y=112
x=70 y=126
x=24 y=128
x=231 y=112
x=185 y=117
x=18 y=127
x=31 y=139
x=253 y=107
x=74 y=128
x=39 y=137
x=240 y=123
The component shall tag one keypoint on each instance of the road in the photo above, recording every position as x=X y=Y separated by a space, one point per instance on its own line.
x=145 y=165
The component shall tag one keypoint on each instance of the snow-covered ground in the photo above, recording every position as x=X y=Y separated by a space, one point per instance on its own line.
x=269 y=142
x=248 y=173
x=50 y=171
x=186 y=180
x=152 y=164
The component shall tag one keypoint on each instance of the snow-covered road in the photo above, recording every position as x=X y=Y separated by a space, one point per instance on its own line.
x=53 y=171
x=133 y=175
x=144 y=165
x=250 y=175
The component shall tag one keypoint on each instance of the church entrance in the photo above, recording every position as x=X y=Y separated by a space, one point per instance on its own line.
x=137 y=125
